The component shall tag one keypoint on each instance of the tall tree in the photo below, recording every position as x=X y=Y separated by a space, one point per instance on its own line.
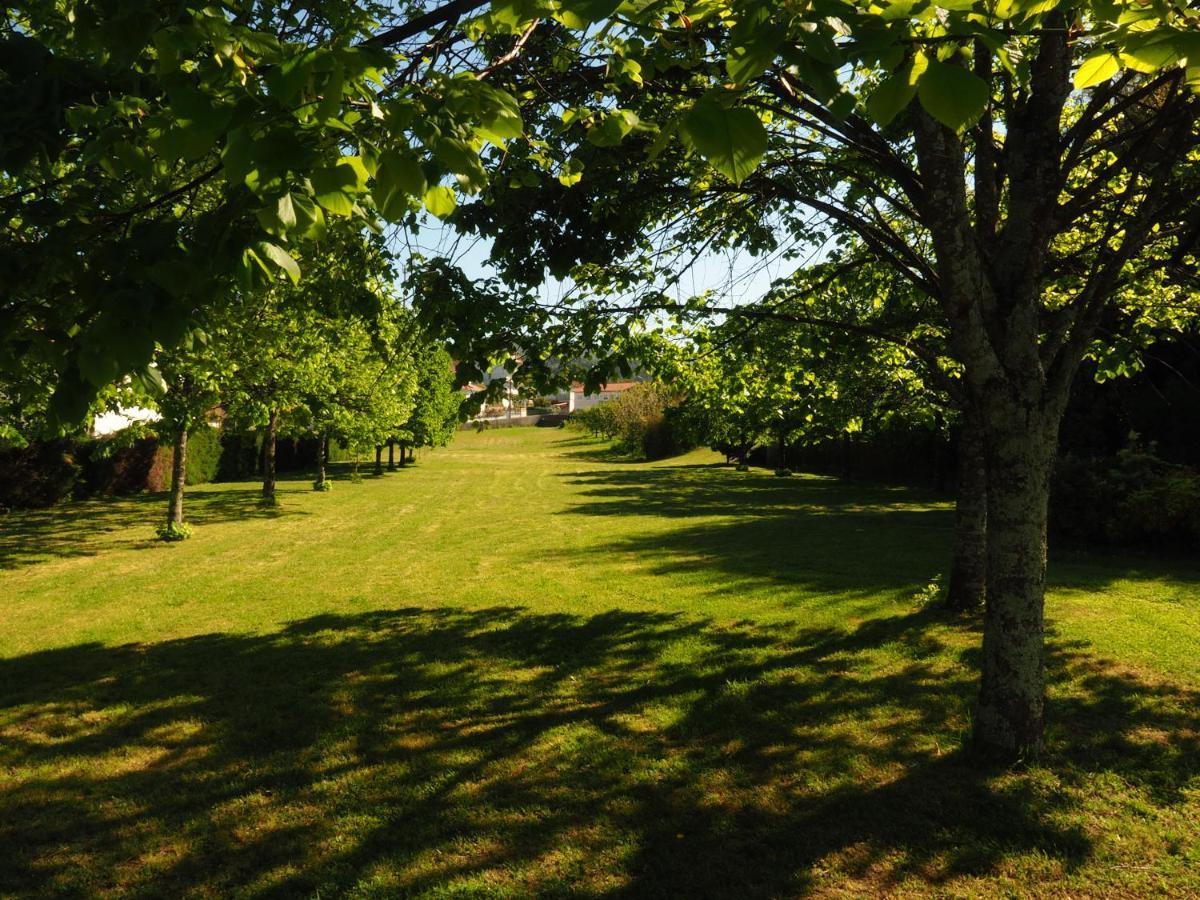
x=1016 y=162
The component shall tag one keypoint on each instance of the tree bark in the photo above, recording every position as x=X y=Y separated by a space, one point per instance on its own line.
x=268 y=488
x=404 y=454
x=178 y=478
x=968 y=572
x=322 y=451
x=379 y=459
x=1020 y=448
x=391 y=456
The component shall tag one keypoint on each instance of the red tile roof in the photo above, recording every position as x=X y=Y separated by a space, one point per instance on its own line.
x=616 y=387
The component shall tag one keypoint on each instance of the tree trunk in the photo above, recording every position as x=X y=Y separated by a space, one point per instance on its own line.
x=968 y=571
x=391 y=456
x=404 y=454
x=1020 y=447
x=268 y=488
x=178 y=478
x=379 y=459
x=322 y=451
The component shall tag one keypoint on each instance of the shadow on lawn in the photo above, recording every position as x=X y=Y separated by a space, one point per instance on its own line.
x=828 y=535
x=89 y=527
x=625 y=753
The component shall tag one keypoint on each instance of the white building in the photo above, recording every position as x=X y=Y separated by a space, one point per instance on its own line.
x=578 y=398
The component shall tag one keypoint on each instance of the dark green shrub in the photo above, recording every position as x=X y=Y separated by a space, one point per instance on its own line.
x=239 y=455
x=1134 y=498
x=203 y=454
x=660 y=439
x=41 y=474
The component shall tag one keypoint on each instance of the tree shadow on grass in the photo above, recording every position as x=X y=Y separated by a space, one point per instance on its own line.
x=825 y=534
x=90 y=527
x=499 y=750
x=739 y=530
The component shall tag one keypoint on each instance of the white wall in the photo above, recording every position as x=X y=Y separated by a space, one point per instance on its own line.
x=112 y=422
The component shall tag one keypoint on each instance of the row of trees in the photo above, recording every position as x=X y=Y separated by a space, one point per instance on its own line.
x=337 y=357
x=1028 y=172
x=1017 y=165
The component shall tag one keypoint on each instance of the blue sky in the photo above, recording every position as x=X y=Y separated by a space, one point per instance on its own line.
x=734 y=277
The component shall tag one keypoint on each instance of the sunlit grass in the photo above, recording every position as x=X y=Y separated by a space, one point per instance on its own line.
x=523 y=667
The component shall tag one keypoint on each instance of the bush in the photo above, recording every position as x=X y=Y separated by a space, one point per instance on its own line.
x=1134 y=498
x=642 y=421
x=203 y=454
x=40 y=474
x=172 y=531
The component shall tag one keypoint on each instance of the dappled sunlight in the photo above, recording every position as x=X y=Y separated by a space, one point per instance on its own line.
x=644 y=679
x=648 y=753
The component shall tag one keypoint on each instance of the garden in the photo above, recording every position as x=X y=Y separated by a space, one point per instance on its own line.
x=853 y=551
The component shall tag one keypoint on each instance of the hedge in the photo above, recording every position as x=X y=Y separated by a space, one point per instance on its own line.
x=48 y=472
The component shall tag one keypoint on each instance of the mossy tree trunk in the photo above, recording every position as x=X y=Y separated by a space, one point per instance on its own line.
x=1021 y=440
x=322 y=454
x=178 y=477
x=968 y=572
x=268 y=488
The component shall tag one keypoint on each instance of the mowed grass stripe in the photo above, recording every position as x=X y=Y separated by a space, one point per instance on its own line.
x=524 y=666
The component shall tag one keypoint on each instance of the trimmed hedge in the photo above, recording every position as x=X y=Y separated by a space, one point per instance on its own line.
x=203 y=454
x=49 y=472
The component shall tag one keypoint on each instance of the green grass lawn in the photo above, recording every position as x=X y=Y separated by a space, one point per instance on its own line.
x=525 y=667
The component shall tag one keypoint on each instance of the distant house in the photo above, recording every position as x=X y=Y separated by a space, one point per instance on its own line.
x=578 y=398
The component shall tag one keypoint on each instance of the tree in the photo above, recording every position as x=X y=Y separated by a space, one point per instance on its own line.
x=435 y=413
x=191 y=386
x=1048 y=159
x=157 y=156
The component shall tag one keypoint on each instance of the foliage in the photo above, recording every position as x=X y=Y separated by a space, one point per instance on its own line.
x=159 y=156
x=172 y=532
x=1134 y=499
x=204 y=450
x=39 y=474
x=437 y=405
x=639 y=420
x=325 y=485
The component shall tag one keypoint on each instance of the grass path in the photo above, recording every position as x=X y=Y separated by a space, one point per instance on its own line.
x=525 y=667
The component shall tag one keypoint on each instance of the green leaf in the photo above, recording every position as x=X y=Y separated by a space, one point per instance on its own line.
x=1150 y=56
x=572 y=172
x=613 y=128
x=500 y=119
x=582 y=13
x=952 y=95
x=335 y=186
x=285 y=212
x=1097 y=67
x=238 y=156
x=733 y=141
x=749 y=60
x=400 y=177
x=891 y=96
x=280 y=257
x=440 y=201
